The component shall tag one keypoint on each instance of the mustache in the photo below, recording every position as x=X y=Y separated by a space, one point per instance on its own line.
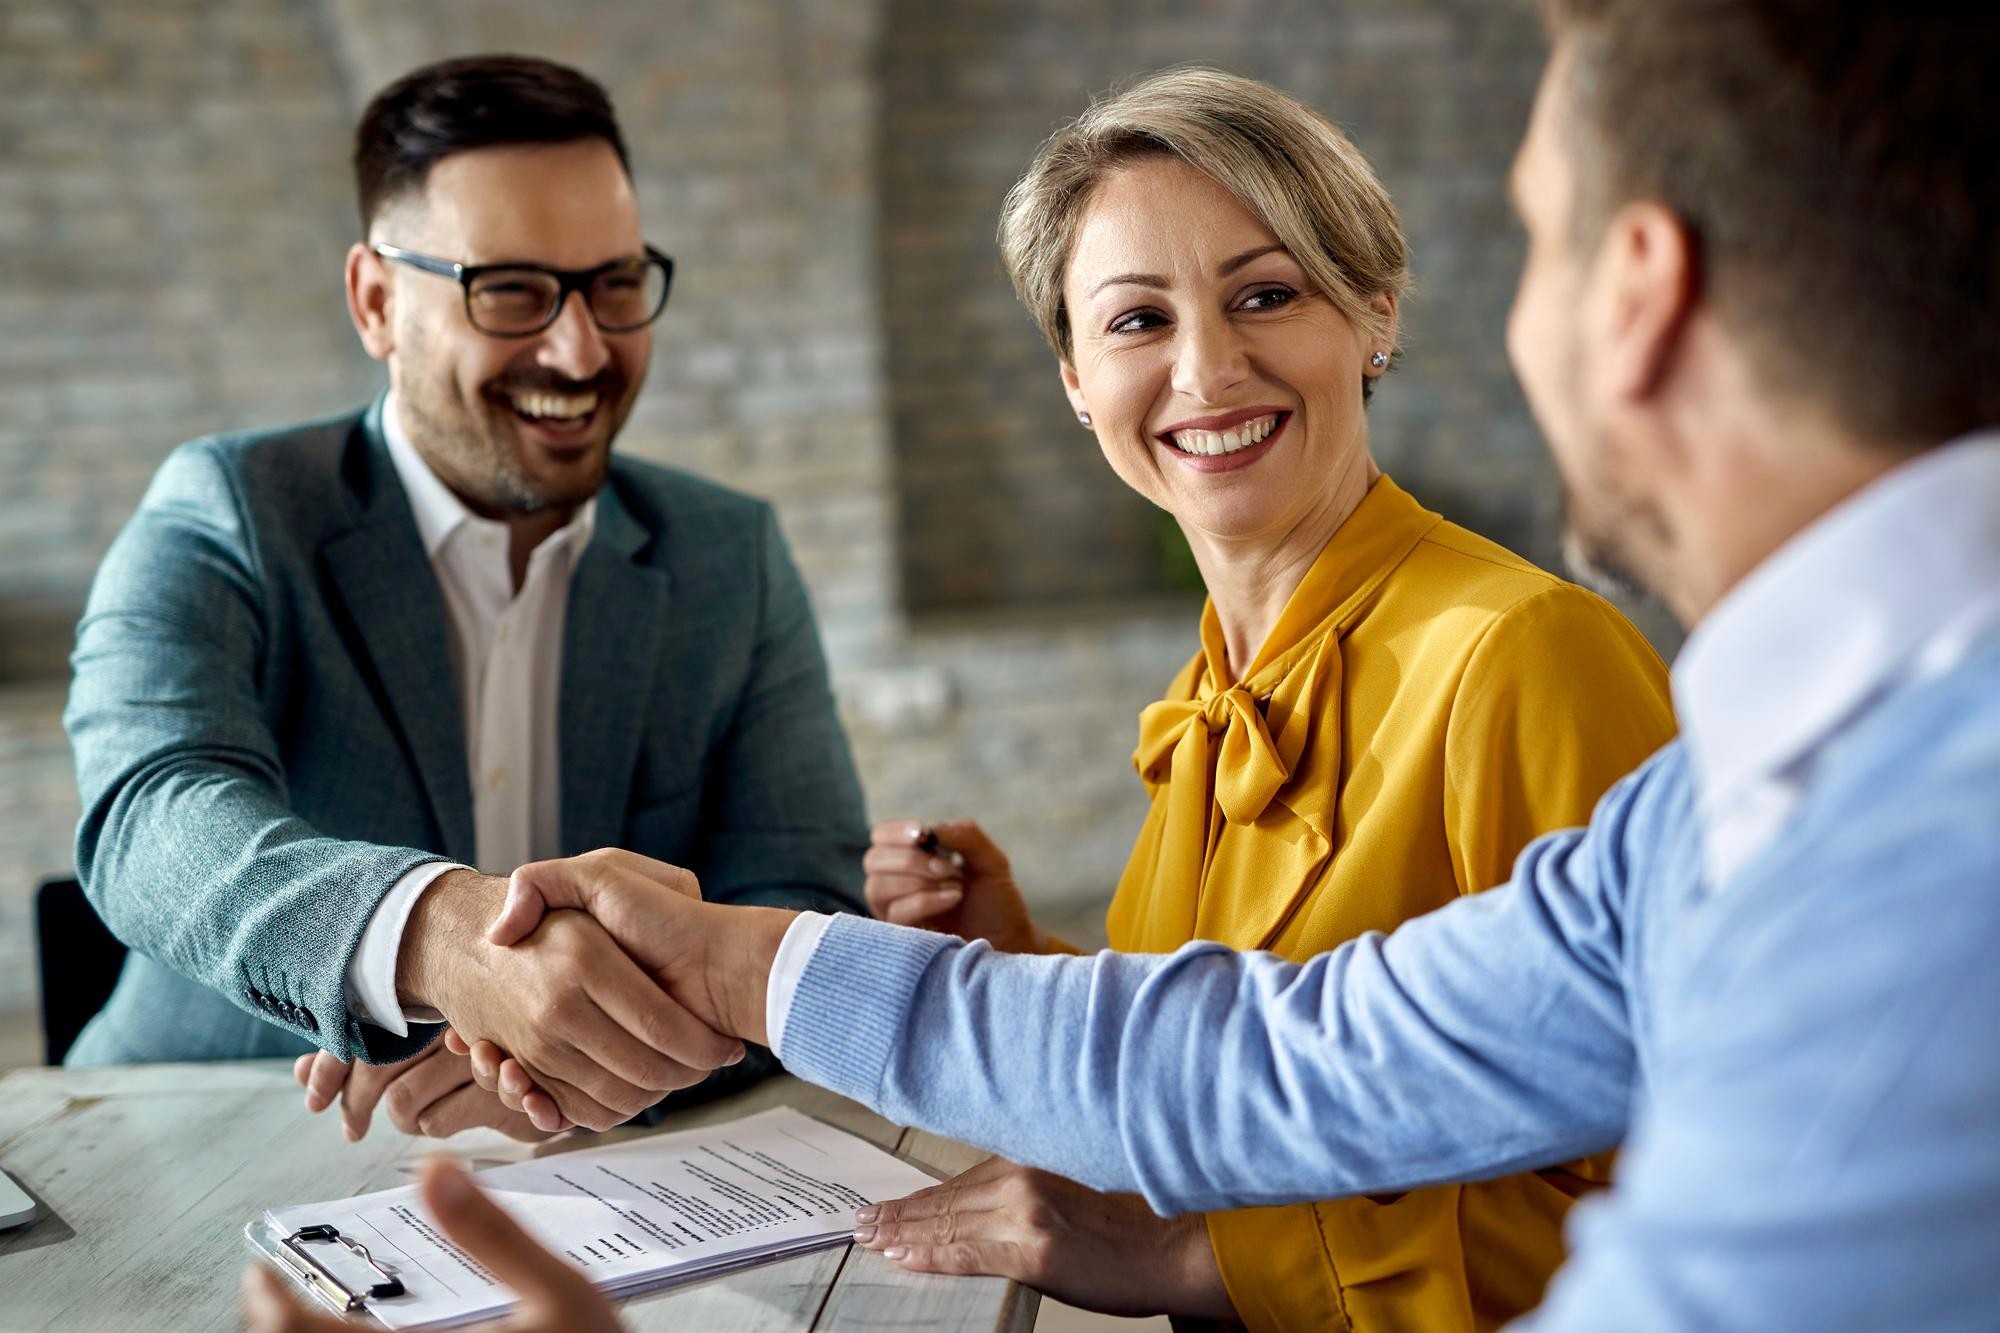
x=607 y=383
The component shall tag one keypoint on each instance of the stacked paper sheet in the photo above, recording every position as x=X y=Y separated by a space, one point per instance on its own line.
x=635 y=1215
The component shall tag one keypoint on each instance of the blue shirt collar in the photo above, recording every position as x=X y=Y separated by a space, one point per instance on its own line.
x=1837 y=615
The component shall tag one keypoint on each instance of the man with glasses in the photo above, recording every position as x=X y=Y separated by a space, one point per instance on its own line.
x=336 y=681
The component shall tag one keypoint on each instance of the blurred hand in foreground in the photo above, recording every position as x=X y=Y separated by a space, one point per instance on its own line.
x=948 y=877
x=1104 y=1252
x=554 y=1297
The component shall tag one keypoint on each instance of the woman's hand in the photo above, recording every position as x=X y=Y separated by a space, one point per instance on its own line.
x=975 y=900
x=1104 y=1252
x=554 y=1297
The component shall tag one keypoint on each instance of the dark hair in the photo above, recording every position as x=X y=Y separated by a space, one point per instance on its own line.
x=1838 y=162
x=472 y=102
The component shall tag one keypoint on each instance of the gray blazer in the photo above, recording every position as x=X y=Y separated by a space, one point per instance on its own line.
x=268 y=734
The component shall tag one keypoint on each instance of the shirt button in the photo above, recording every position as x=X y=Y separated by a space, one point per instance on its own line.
x=497 y=780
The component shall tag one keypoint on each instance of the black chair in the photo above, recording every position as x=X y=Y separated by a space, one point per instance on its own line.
x=80 y=961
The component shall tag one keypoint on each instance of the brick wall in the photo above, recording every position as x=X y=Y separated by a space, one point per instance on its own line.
x=174 y=205
x=1434 y=91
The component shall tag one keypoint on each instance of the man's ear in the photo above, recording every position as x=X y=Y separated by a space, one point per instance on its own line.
x=368 y=301
x=1072 y=387
x=1649 y=268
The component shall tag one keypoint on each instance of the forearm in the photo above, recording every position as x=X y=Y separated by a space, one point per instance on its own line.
x=1384 y=1066
x=188 y=845
x=740 y=948
x=195 y=864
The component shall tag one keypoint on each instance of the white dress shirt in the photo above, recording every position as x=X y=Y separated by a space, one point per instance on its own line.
x=506 y=659
x=1885 y=591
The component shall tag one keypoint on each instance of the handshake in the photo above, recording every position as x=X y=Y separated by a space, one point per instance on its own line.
x=579 y=992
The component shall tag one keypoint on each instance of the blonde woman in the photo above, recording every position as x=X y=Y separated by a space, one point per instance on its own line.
x=1384 y=710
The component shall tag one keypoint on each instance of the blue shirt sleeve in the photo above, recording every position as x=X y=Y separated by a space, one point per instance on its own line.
x=1484 y=1038
x=1817 y=1146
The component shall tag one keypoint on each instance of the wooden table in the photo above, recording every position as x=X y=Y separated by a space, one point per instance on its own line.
x=146 y=1175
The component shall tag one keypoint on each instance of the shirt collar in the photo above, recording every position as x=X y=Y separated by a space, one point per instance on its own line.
x=440 y=513
x=1823 y=625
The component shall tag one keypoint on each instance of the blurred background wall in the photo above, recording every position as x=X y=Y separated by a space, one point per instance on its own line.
x=174 y=207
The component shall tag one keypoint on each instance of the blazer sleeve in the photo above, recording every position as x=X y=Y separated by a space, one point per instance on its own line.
x=187 y=846
x=1560 y=698
x=788 y=825
x=1489 y=1037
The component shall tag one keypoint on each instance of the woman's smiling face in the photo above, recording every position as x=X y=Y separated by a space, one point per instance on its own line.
x=1221 y=385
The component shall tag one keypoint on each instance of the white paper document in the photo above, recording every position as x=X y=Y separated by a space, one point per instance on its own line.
x=656 y=1210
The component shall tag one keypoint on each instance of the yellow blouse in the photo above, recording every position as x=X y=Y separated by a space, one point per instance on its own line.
x=1427 y=704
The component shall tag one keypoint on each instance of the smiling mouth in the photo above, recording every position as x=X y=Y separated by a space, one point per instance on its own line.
x=553 y=411
x=1215 y=443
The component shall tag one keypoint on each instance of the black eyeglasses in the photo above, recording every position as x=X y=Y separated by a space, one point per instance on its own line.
x=520 y=300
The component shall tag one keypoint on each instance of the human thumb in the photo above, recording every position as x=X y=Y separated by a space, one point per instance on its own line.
x=553 y=1294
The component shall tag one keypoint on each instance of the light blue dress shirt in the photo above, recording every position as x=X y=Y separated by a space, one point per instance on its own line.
x=1770 y=968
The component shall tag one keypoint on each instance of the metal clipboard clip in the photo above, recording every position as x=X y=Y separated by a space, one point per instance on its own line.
x=292 y=1253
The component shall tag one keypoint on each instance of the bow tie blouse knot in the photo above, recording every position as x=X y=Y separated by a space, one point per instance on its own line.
x=1177 y=744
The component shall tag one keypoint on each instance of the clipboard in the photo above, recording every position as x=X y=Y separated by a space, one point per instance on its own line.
x=305 y=1257
x=342 y=1276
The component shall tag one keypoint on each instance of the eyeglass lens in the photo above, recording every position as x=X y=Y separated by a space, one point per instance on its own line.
x=522 y=300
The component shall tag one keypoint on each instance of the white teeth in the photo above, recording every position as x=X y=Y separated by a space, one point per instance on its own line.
x=1211 y=443
x=564 y=405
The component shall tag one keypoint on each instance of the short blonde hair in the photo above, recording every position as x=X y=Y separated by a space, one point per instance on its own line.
x=1288 y=164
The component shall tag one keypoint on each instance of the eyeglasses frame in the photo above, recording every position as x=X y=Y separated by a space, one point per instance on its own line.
x=568 y=280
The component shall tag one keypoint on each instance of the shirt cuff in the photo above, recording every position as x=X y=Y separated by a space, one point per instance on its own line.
x=371 y=973
x=794 y=952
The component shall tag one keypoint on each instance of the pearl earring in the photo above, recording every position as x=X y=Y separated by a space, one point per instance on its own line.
x=1379 y=360
x=1083 y=417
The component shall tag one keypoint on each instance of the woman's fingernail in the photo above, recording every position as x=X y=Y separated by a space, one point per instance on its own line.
x=862 y=1235
x=950 y=897
x=868 y=1214
x=896 y=1252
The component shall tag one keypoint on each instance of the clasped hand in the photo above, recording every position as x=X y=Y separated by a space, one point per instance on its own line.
x=949 y=876
x=610 y=1006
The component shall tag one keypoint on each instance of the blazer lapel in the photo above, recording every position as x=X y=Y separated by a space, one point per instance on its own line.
x=611 y=652
x=381 y=576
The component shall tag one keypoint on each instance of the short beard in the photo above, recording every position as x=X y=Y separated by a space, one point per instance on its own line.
x=468 y=451
x=1599 y=568
x=1602 y=544
x=483 y=470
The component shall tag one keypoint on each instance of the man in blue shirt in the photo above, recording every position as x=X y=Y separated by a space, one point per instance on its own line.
x=1758 y=320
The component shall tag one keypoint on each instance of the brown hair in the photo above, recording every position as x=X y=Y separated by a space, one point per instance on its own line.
x=1838 y=163
x=1288 y=164
x=472 y=102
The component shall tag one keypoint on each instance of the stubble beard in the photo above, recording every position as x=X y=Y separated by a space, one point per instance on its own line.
x=475 y=454
x=1607 y=530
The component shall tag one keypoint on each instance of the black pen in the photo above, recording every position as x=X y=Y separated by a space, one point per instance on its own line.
x=927 y=842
